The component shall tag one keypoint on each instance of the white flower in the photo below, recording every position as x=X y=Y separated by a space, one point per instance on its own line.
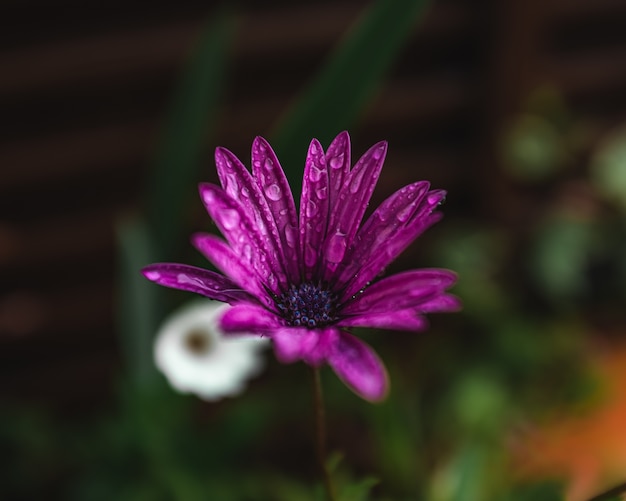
x=196 y=357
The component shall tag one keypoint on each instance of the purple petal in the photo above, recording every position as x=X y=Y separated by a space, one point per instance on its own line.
x=379 y=242
x=272 y=182
x=387 y=220
x=228 y=262
x=313 y=346
x=401 y=291
x=347 y=212
x=359 y=367
x=313 y=208
x=242 y=235
x=440 y=304
x=400 y=320
x=204 y=282
x=241 y=186
x=338 y=163
x=292 y=343
x=250 y=318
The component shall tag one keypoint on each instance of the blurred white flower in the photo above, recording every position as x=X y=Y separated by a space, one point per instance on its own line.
x=196 y=357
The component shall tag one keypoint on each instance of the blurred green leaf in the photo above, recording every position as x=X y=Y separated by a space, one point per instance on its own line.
x=560 y=256
x=533 y=148
x=608 y=169
x=183 y=145
x=348 y=80
x=463 y=478
x=139 y=301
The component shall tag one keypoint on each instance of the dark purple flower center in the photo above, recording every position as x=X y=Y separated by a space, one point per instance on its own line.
x=308 y=305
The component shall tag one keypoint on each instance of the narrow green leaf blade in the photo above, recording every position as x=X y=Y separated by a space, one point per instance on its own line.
x=183 y=145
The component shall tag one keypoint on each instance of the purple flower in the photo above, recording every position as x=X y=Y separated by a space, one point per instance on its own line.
x=303 y=278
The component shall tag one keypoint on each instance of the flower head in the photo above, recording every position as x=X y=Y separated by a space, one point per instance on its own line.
x=303 y=278
x=196 y=357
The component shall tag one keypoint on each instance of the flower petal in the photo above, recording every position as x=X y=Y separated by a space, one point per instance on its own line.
x=338 y=164
x=292 y=343
x=250 y=318
x=313 y=209
x=271 y=179
x=228 y=262
x=313 y=346
x=358 y=366
x=204 y=282
x=401 y=291
x=399 y=320
x=379 y=243
x=440 y=304
x=242 y=235
x=241 y=186
x=347 y=212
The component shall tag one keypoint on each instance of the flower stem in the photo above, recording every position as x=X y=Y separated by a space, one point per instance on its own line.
x=320 y=435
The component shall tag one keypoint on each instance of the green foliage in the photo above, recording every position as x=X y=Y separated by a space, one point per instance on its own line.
x=183 y=147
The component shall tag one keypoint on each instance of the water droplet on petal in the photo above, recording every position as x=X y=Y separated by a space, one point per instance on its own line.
x=337 y=162
x=310 y=256
x=269 y=164
x=271 y=280
x=336 y=248
x=315 y=174
x=245 y=192
x=273 y=192
x=230 y=218
x=311 y=208
x=290 y=236
x=322 y=193
x=247 y=252
x=355 y=183
x=404 y=215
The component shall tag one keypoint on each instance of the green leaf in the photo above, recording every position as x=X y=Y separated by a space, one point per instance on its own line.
x=183 y=145
x=340 y=91
x=139 y=300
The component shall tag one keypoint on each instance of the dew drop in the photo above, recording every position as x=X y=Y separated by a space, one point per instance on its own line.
x=271 y=280
x=273 y=192
x=311 y=208
x=269 y=164
x=355 y=183
x=336 y=248
x=322 y=193
x=245 y=192
x=310 y=256
x=290 y=236
x=315 y=174
x=230 y=218
x=404 y=215
x=337 y=162
x=247 y=252
x=232 y=183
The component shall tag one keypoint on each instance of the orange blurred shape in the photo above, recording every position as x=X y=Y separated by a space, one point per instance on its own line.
x=586 y=449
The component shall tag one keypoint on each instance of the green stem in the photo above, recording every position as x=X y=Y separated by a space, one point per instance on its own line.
x=320 y=435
